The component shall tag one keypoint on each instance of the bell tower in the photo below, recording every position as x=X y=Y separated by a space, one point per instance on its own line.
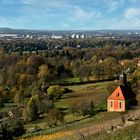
x=123 y=79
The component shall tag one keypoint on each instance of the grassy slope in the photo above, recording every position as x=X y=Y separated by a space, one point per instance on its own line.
x=81 y=93
x=85 y=93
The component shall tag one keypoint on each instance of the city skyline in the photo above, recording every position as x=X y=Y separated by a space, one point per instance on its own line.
x=70 y=14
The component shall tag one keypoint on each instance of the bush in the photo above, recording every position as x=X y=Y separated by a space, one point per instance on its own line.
x=55 y=92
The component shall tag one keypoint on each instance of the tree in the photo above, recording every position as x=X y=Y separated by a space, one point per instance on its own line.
x=84 y=109
x=1 y=97
x=85 y=70
x=112 y=86
x=17 y=127
x=12 y=77
x=111 y=66
x=32 y=109
x=19 y=96
x=55 y=92
x=23 y=79
x=43 y=73
x=129 y=66
x=74 y=108
x=33 y=63
x=91 y=109
x=87 y=108
x=54 y=116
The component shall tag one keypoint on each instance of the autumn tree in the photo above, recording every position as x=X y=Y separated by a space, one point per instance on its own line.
x=43 y=73
x=33 y=63
x=54 y=116
x=129 y=66
x=74 y=108
x=12 y=77
x=112 y=67
x=1 y=97
x=23 y=79
x=19 y=96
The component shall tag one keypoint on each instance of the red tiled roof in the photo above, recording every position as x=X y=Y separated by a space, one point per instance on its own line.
x=122 y=93
x=117 y=94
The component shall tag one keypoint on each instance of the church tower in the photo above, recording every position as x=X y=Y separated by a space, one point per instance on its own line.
x=123 y=79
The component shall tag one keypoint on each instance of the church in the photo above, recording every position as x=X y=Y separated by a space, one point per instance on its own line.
x=122 y=98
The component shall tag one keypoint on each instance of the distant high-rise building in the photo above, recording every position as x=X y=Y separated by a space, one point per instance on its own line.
x=73 y=36
x=82 y=36
x=56 y=36
x=77 y=36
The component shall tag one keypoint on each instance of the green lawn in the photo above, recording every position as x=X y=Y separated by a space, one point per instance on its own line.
x=129 y=133
x=96 y=92
x=81 y=93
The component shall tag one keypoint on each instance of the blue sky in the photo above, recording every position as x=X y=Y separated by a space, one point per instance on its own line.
x=70 y=14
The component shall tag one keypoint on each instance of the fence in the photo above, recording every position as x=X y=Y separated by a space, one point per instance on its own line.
x=64 y=127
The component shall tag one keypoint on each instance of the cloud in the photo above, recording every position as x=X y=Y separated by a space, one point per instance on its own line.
x=114 y=4
x=14 y=22
x=132 y=13
x=45 y=3
x=83 y=15
x=70 y=14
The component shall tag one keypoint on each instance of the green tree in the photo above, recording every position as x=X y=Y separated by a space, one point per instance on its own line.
x=91 y=109
x=55 y=92
x=32 y=109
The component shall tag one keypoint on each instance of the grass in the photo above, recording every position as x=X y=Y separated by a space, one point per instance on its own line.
x=62 y=104
x=41 y=123
x=73 y=80
x=80 y=94
x=75 y=127
x=129 y=133
x=7 y=107
x=84 y=93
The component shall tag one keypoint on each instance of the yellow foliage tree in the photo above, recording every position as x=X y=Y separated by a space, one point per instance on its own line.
x=43 y=73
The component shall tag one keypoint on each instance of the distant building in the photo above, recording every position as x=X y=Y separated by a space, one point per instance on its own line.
x=8 y=35
x=27 y=36
x=73 y=36
x=122 y=97
x=82 y=36
x=77 y=36
x=78 y=46
x=56 y=37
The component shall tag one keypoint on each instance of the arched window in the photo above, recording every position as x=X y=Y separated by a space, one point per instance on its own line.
x=111 y=104
x=120 y=104
x=117 y=95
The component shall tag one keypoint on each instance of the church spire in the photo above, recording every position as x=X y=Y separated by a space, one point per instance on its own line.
x=123 y=79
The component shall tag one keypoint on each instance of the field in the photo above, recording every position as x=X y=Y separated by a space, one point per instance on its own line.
x=85 y=94
x=81 y=94
x=84 y=127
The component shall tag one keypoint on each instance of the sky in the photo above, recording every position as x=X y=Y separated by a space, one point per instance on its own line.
x=70 y=14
